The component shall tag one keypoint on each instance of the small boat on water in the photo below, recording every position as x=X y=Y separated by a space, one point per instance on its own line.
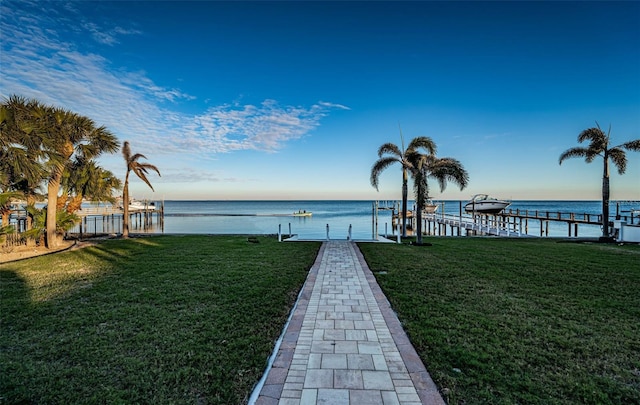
x=483 y=204
x=302 y=213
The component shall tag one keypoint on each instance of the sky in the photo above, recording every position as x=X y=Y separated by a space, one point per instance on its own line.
x=291 y=100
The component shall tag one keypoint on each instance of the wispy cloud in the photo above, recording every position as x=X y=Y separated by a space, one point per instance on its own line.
x=264 y=127
x=40 y=62
x=108 y=36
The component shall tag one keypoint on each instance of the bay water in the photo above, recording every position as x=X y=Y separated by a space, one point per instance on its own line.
x=337 y=217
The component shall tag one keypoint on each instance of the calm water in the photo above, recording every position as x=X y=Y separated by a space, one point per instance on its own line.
x=266 y=217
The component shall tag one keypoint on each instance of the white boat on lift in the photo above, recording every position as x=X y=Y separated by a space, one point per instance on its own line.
x=430 y=207
x=483 y=204
x=137 y=205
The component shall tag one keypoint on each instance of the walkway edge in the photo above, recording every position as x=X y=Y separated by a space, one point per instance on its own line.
x=426 y=388
x=269 y=389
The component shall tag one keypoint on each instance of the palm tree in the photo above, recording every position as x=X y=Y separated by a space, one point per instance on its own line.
x=68 y=134
x=141 y=170
x=599 y=145
x=21 y=150
x=389 y=154
x=64 y=221
x=87 y=179
x=441 y=169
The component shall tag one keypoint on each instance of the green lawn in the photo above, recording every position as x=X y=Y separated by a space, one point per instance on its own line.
x=165 y=319
x=192 y=319
x=519 y=321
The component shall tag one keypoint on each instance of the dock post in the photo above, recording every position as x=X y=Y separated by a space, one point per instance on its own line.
x=279 y=232
x=373 y=222
x=327 y=231
x=375 y=236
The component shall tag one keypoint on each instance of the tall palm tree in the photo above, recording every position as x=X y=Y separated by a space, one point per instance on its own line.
x=600 y=145
x=68 y=134
x=443 y=170
x=389 y=154
x=141 y=170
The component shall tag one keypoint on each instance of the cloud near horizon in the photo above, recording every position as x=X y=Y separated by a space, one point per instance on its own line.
x=38 y=64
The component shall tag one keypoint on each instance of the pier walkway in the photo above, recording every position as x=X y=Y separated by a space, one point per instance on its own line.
x=343 y=343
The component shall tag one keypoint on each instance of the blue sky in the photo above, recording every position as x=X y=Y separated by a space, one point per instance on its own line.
x=291 y=100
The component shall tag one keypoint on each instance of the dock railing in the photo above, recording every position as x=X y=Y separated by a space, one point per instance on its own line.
x=513 y=222
x=437 y=223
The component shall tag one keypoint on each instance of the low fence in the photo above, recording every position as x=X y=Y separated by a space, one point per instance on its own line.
x=94 y=222
x=12 y=241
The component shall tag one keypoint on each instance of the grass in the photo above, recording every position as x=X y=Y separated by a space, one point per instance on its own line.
x=507 y=321
x=165 y=319
x=193 y=319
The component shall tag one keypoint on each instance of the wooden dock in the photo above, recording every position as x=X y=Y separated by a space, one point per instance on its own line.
x=455 y=225
x=109 y=219
x=511 y=223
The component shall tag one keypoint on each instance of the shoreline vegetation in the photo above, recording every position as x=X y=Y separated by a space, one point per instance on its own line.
x=193 y=318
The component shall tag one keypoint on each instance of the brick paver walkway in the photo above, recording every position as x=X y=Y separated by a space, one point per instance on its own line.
x=344 y=344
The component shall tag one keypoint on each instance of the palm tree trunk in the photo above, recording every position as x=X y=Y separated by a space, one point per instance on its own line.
x=605 y=198
x=125 y=207
x=419 y=219
x=52 y=199
x=404 y=203
x=31 y=202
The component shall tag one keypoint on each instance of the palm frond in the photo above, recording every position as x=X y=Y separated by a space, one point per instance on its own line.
x=6 y=198
x=379 y=166
x=619 y=159
x=593 y=151
x=446 y=170
x=573 y=152
x=136 y=157
x=423 y=142
x=104 y=140
x=6 y=230
x=632 y=145
x=142 y=169
x=593 y=135
x=148 y=166
x=389 y=149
